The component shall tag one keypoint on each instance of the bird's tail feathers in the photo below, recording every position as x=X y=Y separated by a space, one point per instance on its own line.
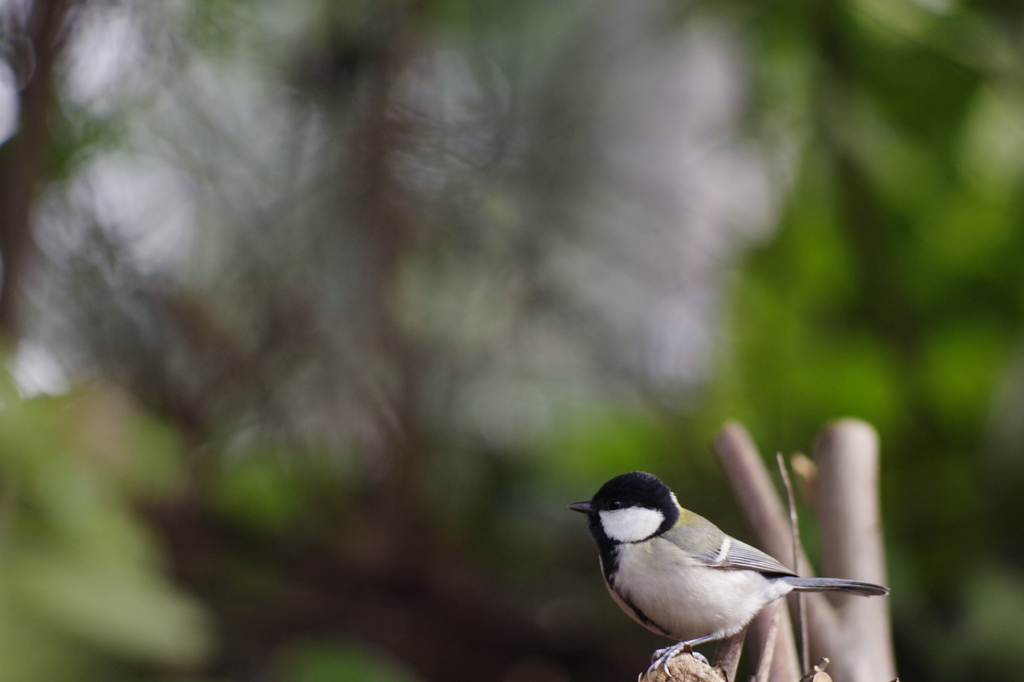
x=836 y=585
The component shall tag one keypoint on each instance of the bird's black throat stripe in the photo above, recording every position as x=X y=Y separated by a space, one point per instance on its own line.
x=607 y=549
x=609 y=553
x=644 y=618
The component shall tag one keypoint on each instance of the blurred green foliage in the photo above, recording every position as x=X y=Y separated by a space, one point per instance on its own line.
x=892 y=290
x=83 y=579
x=331 y=662
x=383 y=286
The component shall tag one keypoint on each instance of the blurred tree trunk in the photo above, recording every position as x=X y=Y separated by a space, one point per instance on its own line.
x=23 y=159
x=395 y=529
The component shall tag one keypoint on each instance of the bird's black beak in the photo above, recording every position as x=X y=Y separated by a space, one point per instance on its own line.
x=583 y=507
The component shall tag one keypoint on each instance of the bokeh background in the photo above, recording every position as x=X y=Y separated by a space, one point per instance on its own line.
x=315 y=314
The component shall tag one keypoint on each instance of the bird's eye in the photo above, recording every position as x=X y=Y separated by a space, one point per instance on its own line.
x=614 y=504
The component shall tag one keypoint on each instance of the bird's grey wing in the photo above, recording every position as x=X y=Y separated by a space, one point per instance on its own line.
x=713 y=548
x=741 y=555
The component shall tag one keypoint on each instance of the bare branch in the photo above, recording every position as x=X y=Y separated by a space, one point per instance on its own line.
x=753 y=489
x=794 y=529
x=764 y=666
x=785 y=665
x=857 y=636
x=727 y=654
x=847 y=456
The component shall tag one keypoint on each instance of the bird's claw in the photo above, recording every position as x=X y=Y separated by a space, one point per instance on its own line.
x=661 y=657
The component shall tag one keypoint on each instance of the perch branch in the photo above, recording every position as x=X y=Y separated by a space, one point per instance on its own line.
x=684 y=668
x=727 y=654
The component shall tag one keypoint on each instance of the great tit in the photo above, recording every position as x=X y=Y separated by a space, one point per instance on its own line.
x=677 y=574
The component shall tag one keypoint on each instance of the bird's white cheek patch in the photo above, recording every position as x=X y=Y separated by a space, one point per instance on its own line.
x=631 y=524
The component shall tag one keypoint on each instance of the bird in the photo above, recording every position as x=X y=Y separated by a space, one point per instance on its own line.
x=678 y=574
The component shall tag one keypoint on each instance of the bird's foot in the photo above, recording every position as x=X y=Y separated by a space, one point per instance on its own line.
x=661 y=657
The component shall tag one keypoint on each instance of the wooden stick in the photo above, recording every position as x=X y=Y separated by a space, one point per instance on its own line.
x=754 y=491
x=727 y=654
x=764 y=666
x=785 y=664
x=760 y=503
x=847 y=456
x=794 y=530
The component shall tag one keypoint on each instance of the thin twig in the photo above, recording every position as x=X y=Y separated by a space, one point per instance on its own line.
x=764 y=666
x=794 y=526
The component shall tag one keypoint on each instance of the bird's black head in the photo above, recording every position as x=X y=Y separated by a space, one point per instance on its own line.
x=635 y=489
x=654 y=508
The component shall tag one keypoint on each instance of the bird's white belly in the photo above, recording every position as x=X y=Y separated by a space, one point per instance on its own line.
x=685 y=599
